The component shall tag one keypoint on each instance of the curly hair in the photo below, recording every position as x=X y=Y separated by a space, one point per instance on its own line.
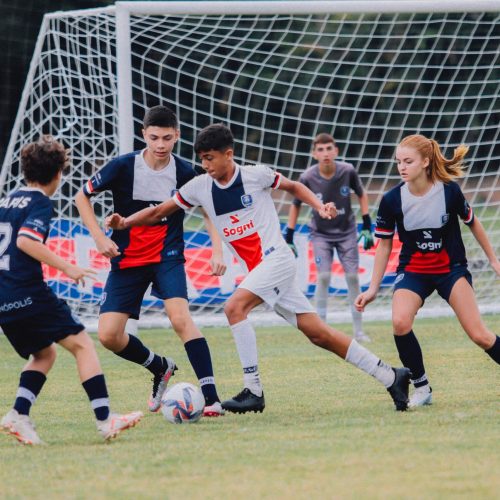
x=42 y=160
x=215 y=137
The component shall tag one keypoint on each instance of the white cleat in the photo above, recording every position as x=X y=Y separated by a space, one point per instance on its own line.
x=214 y=410
x=362 y=337
x=21 y=427
x=160 y=382
x=116 y=423
x=422 y=396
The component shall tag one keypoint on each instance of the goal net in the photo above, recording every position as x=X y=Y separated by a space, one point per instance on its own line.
x=277 y=73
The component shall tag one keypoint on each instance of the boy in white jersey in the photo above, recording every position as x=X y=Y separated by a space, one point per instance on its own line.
x=237 y=199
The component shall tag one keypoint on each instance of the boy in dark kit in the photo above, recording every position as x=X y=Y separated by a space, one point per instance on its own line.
x=31 y=315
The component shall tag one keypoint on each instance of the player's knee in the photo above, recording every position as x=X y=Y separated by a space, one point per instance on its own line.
x=47 y=355
x=231 y=310
x=180 y=322
x=110 y=337
x=482 y=337
x=401 y=324
x=78 y=343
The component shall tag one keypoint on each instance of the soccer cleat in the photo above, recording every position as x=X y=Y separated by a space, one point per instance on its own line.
x=421 y=396
x=116 y=423
x=362 y=337
x=214 y=410
x=244 y=402
x=160 y=382
x=399 y=389
x=21 y=427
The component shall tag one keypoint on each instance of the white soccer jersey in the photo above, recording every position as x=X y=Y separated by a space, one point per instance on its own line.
x=242 y=211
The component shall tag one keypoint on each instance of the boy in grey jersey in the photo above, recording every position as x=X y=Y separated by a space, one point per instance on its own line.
x=333 y=180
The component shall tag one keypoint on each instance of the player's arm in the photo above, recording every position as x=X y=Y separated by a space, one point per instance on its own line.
x=304 y=194
x=104 y=245
x=293 y=216
x=382 y=255
x=145 y=217
x=481 y=236
x=217 y=261
x=40 y=252
x=366 y=230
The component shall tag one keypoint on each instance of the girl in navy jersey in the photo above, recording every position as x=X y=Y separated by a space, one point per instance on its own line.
x=424 y=208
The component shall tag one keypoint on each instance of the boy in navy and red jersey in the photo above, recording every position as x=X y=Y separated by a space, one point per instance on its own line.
x=31 y=316
x=425 y=208
x=150 y=255
x=238 y=200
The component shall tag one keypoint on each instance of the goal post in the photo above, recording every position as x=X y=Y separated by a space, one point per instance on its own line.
x=278 y=73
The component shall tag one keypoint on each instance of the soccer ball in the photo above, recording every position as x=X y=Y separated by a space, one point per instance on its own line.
x=183 y=403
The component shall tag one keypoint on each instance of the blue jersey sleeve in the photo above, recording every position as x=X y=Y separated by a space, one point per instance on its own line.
x=36 y=226
x=104 y=179
x=460 y=205
x=386 y=219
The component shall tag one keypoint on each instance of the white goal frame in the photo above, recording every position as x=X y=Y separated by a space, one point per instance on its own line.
x=124 y=119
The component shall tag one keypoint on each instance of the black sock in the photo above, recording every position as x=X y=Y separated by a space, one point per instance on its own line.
x=199 y=357
x=95 y=388
x=494 y=351
x=137 y=352
x=30 y=385
x=410 y=355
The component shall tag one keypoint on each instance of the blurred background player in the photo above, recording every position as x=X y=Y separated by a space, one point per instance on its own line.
x=150 y=255
x=333 y=180
x=31 y=315
x=238 y=199
x=425 y=208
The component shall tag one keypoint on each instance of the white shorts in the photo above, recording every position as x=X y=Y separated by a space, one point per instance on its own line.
x=274 y=281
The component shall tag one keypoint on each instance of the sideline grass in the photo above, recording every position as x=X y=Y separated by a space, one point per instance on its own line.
x=327 y=431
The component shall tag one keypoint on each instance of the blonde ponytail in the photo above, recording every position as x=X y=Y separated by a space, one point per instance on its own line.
x=440 y=168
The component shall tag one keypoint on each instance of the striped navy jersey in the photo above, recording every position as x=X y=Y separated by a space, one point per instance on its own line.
x=134 y=186
x=25 y=212
x=427 y=226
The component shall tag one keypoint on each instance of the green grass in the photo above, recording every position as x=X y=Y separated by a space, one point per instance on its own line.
x=328 y=431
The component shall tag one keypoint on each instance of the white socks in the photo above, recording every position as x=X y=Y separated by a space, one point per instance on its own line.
x=353 y=292
x=365 y=360
x=246 y=345
x=321 y=294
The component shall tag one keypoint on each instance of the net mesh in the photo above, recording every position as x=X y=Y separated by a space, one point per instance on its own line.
x=277 y=81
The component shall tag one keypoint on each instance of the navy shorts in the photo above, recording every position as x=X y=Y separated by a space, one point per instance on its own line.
x=31 y=334
x=424 y=284
x=125 y=288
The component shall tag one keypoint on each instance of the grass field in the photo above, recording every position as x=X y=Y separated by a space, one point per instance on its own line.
x=328 y=431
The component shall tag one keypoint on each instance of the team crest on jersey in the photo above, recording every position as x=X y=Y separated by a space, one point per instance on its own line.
x=445 y=218
x=246 y=200
x=345 y=191
x=319 y=196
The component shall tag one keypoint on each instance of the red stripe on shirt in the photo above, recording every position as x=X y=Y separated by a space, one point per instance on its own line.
x=249 y=249
x=31 y=233
x=276 y=181
x=182 y=200
x=429 y=263
x=145 y=246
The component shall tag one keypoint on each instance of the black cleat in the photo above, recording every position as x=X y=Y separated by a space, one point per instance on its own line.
x=399 y=389
x=244 y=402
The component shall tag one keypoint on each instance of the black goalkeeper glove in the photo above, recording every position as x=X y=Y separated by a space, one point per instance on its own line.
x=366 y=233
x=289 y=240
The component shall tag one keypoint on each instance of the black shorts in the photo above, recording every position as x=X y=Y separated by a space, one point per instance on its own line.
x=31 y=334
x=125 y=288
x=424 y=284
